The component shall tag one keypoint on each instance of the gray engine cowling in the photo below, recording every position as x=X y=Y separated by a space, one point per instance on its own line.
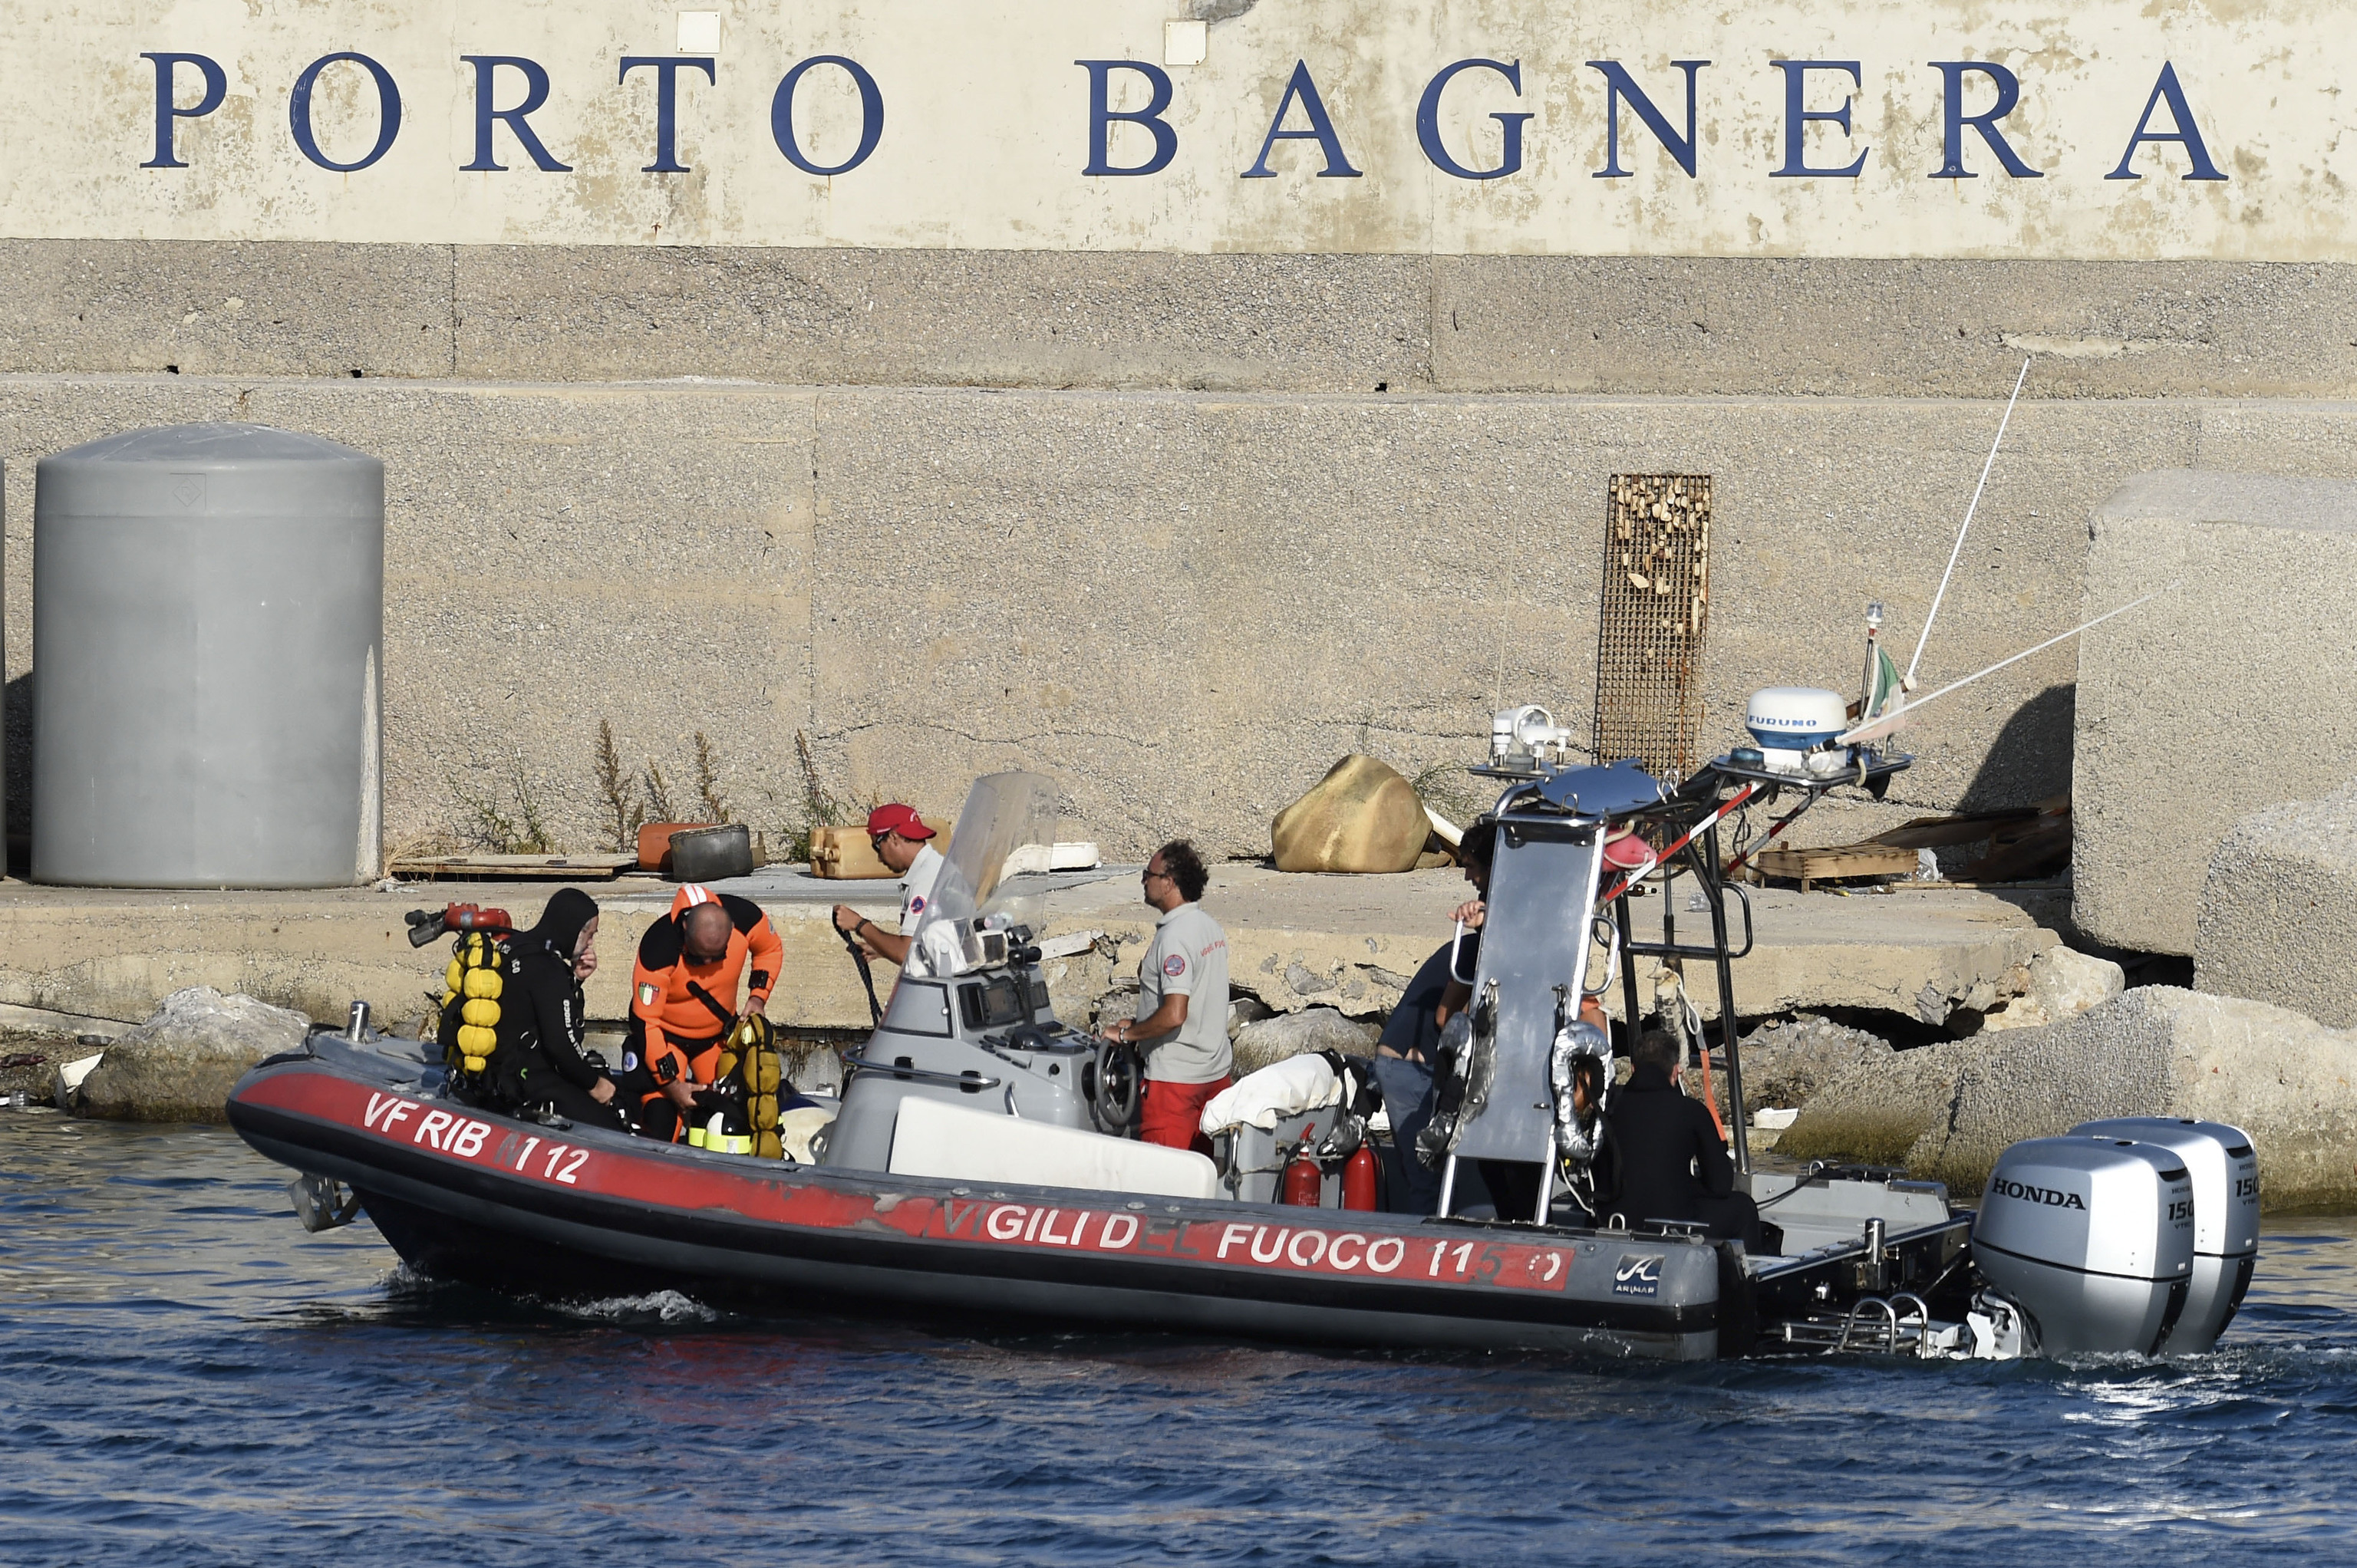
x=2094 y=1237
x=2225 y=1174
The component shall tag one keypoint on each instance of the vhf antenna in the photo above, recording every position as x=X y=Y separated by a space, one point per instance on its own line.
x=1908 y=681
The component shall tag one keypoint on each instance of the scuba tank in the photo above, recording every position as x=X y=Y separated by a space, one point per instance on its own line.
x=1358 y=1188
x=424 y=925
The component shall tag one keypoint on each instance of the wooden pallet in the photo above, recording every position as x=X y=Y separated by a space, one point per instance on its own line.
x=1809 y=866
x=485 y=867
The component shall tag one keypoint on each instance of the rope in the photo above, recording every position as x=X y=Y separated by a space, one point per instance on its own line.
x=1687 y=1018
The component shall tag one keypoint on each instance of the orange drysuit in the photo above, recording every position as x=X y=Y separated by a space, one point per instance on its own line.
x=680 y=1011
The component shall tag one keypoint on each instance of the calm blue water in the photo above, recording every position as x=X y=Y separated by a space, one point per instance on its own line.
x=187 y=1378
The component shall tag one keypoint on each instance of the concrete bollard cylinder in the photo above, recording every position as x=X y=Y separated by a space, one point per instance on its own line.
x=207 y=638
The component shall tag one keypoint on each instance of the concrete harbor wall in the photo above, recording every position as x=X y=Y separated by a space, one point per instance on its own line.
x=1184 y=606
x=1177 y=485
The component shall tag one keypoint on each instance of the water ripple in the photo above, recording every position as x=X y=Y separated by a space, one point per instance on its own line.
x=186 y=1377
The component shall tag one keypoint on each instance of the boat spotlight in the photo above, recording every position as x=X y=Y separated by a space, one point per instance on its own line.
x=1521 y=739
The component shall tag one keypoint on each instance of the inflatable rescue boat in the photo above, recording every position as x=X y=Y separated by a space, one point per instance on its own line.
x=980 y=1166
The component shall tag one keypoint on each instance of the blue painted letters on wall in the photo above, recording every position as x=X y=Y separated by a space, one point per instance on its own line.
x=216 y=82
x=535 y=80
x=388 y=121
x=1102 y=117
x=1321 y=130
x=2187 y=133
x=1796 y=118
x=666 y=68
x=1428 y=123
x=1954 y=119
x=1619 y=87
x=871 y=116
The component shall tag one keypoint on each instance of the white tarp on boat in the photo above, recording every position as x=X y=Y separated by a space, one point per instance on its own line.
x=933 y=1139
x=1281 y=1090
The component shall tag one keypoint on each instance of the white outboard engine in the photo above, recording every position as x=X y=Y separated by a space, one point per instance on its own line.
x=2094 y=1238
x=2226 y=1217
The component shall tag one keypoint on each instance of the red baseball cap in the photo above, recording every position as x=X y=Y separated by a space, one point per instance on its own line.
x=896 y=819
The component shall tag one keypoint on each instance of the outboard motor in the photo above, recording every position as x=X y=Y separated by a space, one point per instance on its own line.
x=2094 y=1238
x=2226 y=1217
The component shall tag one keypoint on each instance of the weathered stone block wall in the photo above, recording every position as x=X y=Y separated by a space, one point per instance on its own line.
x=2230 y=692
x=2279 y=907
x=1147 y=520
x=1185 y=606
x=1655 y=326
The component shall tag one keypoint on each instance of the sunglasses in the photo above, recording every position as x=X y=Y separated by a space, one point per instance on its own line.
x=1149 y=873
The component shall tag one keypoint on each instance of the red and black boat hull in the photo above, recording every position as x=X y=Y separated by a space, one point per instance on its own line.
x=568 y=1212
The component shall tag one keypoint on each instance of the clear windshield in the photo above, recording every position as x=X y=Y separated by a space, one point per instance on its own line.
x=1005 y=831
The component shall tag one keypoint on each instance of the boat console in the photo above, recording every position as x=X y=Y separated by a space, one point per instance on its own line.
x=969 y=1023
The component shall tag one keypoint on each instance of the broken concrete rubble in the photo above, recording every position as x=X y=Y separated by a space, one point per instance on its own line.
x=2063 y=984
x=1946 y=1112
x=1786 y=1062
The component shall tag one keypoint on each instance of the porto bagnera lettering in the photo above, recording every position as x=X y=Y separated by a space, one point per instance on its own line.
x=1813 y=95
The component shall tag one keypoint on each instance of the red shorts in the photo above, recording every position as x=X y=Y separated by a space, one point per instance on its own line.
x=1173 y=1115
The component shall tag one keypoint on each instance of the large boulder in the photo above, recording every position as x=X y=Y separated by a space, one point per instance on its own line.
x=2286 y=1080
x=1268 y=1041
x=2278 y=907
x=2169 y=695
x=1361 y=816
x=180 y=1065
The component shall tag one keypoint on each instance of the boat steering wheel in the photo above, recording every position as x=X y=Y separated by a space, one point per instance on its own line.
x=1117 y=1086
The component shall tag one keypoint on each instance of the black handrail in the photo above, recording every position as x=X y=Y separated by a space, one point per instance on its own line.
x=969 y=1081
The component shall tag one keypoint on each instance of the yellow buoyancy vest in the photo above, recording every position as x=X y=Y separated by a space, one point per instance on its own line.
x=479 y=965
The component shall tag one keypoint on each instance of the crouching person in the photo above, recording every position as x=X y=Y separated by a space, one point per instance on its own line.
x=1669 y=1162
x=683 y=1004
x=536 y=1065
x=1182 y=1004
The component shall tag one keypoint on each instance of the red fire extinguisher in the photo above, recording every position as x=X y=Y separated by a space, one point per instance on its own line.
x=1304 y=1182
x=1359 y=1180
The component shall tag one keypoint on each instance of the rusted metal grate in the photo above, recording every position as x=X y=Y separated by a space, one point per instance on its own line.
x=1650 y=622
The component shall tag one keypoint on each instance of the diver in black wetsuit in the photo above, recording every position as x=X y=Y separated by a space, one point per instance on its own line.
x=538 y=1066
x=1667 y=1158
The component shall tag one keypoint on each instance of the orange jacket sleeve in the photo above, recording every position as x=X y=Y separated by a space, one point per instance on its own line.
x=766 y=956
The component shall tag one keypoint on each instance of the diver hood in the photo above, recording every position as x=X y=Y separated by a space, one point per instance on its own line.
x=568 y=910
